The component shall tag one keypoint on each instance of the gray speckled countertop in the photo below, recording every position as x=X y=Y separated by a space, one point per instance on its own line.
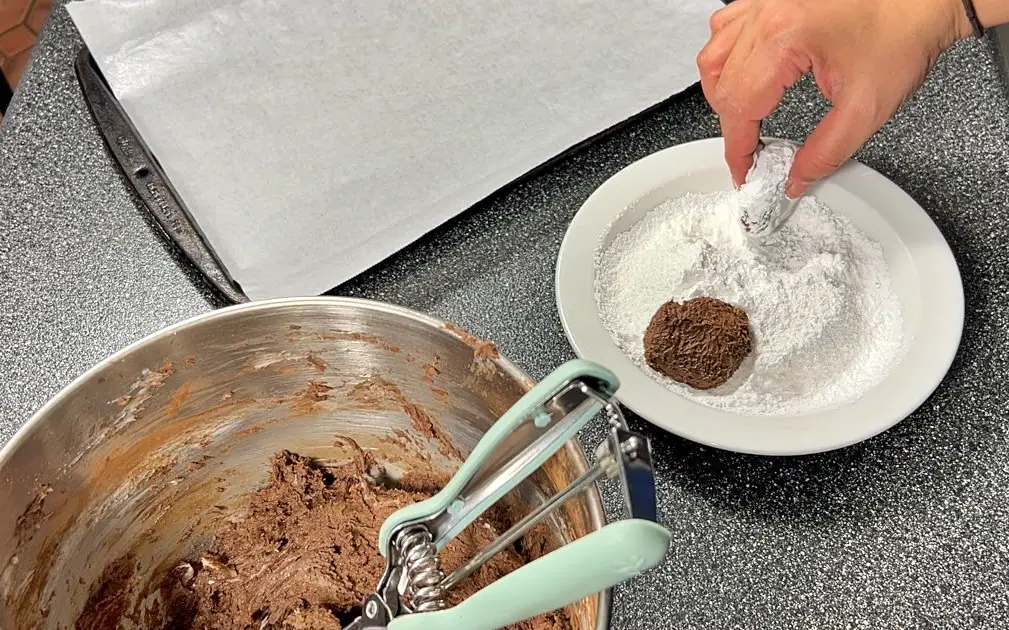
x=908 y=530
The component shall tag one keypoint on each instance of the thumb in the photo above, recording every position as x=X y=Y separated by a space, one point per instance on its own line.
x=842 y=131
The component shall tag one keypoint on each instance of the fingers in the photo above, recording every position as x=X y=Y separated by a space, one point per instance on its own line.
x=741 y=139
x=740 y=135
x=727 y=14
x=754 y=77
x=715 y=53
x=744 y=75
x=841 y=132
x=743 y=95
x=726 y=24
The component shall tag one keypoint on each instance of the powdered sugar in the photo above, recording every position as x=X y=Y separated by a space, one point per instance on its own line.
x=826 y=324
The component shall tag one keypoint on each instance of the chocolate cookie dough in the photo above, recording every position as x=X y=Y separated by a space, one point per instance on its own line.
x=306 y=554
x=700 y=342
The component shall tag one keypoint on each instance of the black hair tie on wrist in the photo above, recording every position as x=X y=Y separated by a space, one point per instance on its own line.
x=968 y=6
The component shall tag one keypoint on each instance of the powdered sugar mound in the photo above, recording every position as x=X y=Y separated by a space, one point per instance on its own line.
x=826 y=324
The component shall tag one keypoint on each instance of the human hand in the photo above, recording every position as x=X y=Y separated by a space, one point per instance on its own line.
x=867 y=58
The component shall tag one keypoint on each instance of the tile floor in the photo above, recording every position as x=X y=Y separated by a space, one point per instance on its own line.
x=20 y=23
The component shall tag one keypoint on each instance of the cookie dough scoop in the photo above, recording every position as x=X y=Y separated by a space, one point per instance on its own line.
x=763 y=205
x=411 y=593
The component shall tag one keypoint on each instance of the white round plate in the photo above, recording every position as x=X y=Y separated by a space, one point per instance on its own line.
x=923 y=272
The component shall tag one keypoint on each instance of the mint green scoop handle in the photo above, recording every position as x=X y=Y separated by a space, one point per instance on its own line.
x=611 y=555
x=526 y=436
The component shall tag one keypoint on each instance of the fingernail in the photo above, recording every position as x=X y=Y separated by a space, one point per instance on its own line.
x=794 y=189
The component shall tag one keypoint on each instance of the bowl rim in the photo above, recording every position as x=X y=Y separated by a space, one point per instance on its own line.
x=596 y=510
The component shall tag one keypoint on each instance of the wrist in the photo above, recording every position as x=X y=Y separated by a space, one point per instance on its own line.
x=941 y=23
x=990 y=13
x=962 y=27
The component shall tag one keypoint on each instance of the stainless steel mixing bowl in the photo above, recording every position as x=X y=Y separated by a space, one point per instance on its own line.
x=149 y=451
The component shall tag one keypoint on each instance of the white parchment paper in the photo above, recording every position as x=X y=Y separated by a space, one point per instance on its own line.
x=312 y=139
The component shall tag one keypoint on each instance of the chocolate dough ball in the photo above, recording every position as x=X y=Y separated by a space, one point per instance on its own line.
x=700 y=343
